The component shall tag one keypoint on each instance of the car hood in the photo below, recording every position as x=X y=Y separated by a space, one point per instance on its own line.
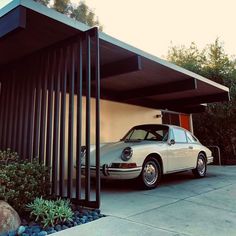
x=111 y=152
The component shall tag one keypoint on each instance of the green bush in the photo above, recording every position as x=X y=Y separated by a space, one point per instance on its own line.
x=8 y=156
x=22 y=181
x=49 y=212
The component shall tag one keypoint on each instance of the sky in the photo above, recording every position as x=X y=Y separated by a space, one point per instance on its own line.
x=153 y=25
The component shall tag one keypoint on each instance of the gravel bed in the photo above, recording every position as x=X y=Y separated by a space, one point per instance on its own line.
x=81 y=216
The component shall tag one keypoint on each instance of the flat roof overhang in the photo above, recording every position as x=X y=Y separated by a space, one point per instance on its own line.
x=128 y=75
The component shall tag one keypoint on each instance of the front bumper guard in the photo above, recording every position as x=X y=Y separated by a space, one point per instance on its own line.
x=107 y=171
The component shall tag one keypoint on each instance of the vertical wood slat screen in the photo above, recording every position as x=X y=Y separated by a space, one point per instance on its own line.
x=33 y=112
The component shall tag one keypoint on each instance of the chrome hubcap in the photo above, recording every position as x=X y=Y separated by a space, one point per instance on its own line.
x=150 y=173
x=201 y=166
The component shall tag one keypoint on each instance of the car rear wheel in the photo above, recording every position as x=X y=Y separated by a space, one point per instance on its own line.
x=151 y=174
x=201 y=168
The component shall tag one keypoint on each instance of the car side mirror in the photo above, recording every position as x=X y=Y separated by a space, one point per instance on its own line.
x=172 y=142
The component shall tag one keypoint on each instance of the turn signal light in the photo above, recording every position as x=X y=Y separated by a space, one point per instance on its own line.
x=123 y=165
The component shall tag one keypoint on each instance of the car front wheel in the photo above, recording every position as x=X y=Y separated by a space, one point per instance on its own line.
x=200 y=170
x=151 y=174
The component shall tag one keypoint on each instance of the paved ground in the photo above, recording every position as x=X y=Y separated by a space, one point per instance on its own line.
x=181 y=205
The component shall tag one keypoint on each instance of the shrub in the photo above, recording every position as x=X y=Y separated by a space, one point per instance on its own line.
x=8 y=156
x=49 y=212
x=22 y=181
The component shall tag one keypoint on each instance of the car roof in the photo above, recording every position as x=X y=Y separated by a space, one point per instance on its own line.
x=158 y=125
x=151 y=125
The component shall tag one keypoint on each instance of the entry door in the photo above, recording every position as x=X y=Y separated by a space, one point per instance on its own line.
x=185 y=121
x=179 y=154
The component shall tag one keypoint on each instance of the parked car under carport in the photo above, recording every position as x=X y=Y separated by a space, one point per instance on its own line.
x=149 y=151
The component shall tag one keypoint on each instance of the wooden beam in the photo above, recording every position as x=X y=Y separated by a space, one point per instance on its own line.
x=128 y=65
x=190 y=109
x=219 y=97
x=14 y=20
x=186 y=105
x=167 y=88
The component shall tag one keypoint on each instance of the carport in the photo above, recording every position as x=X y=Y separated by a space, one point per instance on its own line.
x=46 y=57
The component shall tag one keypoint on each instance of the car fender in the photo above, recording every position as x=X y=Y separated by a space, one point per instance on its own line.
x=140 y=155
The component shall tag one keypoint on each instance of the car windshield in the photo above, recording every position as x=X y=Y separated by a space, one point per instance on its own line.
x=147 y=132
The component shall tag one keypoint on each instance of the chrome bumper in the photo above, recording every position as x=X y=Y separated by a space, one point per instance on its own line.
x=210 y=159
x=115 y=173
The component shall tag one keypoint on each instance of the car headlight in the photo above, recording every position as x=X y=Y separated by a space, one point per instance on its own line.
x=126 y=153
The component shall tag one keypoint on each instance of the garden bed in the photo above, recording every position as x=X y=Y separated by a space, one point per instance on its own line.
x=81 y=216
x=24 y=185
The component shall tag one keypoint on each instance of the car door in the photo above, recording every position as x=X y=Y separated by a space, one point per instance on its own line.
x=179 y=151
x=194 y=149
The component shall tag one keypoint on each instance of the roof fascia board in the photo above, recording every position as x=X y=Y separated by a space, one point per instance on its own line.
x=10 y=6
x=14 y=20
x=220 y=97
x=37 y=7
x=165 y=63
x=82 y=27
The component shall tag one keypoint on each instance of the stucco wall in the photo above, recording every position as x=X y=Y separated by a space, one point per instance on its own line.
x=118 y=118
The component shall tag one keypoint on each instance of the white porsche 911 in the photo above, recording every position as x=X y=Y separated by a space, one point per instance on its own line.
x=149 y=151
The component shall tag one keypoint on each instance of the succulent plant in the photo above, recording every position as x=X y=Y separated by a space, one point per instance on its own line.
x=50 y=212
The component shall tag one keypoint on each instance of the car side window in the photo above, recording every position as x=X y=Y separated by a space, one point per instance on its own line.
x=158 y=135
x=138 y=134
x=165 y=135
x=179 y=135
x=191 y=138
x=151 y=136
x=171 y=135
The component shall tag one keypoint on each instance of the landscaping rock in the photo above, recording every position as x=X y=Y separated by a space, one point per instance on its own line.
x=9 y=219
x=95 y=218
x=83 y=221
x=53 y=232
x=4 y=234
x=12 y=233
x=58 y=227
x=42 y=233
x=98 y=211
x=21 y=230
x=31 y=228
x=64 y=227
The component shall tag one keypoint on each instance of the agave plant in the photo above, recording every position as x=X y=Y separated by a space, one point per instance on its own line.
x=49 y=212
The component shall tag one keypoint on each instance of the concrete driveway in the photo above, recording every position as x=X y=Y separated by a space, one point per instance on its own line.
x=181 y=205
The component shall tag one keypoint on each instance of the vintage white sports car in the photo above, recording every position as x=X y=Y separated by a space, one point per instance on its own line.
x=149 y=151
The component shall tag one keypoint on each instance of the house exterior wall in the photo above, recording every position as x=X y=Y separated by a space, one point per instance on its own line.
x=115 y=119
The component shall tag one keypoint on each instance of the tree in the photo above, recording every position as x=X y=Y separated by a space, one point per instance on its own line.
x=83 y=14
x=62 y=6
x=217 y=126
x=189 y=58
x=80 y=12
x=44 y=2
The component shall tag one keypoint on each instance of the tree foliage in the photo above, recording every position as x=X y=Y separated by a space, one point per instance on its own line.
x=217 y=126
x=80 y=12
x=44 y=2
x=62 y=6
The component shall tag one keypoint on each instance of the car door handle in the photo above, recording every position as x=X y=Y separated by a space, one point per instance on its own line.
x=190 y=147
